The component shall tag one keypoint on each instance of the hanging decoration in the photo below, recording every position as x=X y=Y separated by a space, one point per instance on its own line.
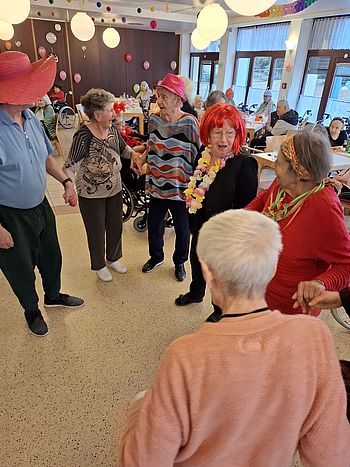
x=111 y=38
x=153 y=24
x=8 y=45
x=212 y=22
x=63 y=75
x=98 y=4
x=83 y=48
x=42 y=51
x=128 y=58
x=146 y=65
x=51 y=37
x=152 y=9
x=173 y=65
x=82 y=26
x=108 y=8
x=18 y=44
x=77 y=78
x=136 y=88
x=6 y=31
x=58 y=27
x=287 y=9
x=198 y=41
x=249 y=7
x=15 y=11
x=139 y=10
x=123 y=19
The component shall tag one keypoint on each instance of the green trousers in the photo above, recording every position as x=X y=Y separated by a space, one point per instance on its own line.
x=35 y=245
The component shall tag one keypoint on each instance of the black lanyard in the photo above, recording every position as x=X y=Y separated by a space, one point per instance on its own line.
x=232 y=315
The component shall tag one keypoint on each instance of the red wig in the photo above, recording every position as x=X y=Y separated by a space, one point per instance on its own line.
x=215 y=116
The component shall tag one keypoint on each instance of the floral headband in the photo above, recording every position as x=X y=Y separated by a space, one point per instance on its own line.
x=288 y=150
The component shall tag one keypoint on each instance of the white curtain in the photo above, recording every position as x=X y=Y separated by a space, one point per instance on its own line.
x=331 y=33
x=266 y=37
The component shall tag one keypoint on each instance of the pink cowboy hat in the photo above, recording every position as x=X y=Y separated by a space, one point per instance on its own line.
x=22 y=82
x=173 y=84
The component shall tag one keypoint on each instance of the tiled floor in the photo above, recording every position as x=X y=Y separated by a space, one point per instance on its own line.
x=64 y=397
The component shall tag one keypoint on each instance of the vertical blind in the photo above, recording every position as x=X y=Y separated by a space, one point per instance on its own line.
x=331 y=33
x=266 y=37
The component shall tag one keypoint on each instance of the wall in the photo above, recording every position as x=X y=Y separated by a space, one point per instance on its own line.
x=101 y=67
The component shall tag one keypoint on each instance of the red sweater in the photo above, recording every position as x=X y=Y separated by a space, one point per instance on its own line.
x=316 y=245
x=57 y=96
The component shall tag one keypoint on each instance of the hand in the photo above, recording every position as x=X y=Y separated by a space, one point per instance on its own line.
x=69 y=195
x=326 y=300
x=6 y=240
x=137 y=163
x=307 y=291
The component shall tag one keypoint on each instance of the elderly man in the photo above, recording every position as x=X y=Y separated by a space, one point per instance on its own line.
x=267 y=106
x=28 y=237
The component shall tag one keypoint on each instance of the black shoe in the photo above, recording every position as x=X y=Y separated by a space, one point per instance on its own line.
x=183 y=300
x=214 y=317
x=150 y=265
x=180 y=272
x=36 y=322
x=64 y=300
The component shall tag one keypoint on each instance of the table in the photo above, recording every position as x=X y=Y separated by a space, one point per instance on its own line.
x=253 y=127
x=139 y=115
x=267 y=159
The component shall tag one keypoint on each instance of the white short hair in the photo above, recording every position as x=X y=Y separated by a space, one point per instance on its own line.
x=241 y=248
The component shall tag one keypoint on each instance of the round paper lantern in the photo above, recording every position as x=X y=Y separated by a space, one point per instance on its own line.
x=146 y=65
x=6 y=31
x=15 y=11
x=212 y=22
x=128 y=58
x=77 y=78
x=82 y=26
x=153 y=24
x=136 y=88
x=63 y=75
x=197 y=40
x=249 y=7
x=42 y=51
x=111 y=38
x=173 y=65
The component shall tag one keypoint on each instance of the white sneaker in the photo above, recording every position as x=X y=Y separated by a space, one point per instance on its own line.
x=117 y=266
x=104 y=275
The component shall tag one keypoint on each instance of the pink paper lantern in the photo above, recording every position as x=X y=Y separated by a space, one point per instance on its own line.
x=77 y=78
x=153 y=24
x=42 y=51
x=146 y=65
x=63 y=75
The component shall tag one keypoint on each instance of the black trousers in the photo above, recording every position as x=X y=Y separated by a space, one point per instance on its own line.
x=157 y=210
x=35 y=245
x=103 y=221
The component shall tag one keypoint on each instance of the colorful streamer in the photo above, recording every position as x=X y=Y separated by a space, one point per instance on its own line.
x=288 y=9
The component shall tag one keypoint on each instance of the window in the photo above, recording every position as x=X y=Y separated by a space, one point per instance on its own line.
x=204 y=72
x=339 y=98
x=241 y=78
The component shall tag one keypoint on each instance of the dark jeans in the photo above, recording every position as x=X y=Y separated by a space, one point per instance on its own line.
x=35 y=244
x=103 y=220
x=157 y=210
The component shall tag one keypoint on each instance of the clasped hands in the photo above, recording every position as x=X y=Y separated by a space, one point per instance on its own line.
x=309 y=295
x=137 y=162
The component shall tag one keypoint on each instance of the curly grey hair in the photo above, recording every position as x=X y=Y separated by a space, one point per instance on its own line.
x=95 y=100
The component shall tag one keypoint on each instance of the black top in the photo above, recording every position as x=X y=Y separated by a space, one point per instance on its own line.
x=340 y=140
x=187 y=107
x=234 y=187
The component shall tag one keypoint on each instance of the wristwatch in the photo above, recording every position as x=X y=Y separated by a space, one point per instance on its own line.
x=66 y=180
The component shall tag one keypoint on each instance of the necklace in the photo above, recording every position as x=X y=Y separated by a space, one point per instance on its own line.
x=232 y=315
x=278 y=211
x=203 y=176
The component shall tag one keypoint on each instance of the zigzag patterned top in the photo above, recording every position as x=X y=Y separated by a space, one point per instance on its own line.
x=172 y=150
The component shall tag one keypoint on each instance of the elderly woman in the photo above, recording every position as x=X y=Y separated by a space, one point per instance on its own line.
x=144 y=96
x=172 y=148
x=224 y=178
x=336 y=133
x=267 y=106
x=45 y=113
x=251 y=389
x=316 y=245
x=215 y=97
x=96 y=150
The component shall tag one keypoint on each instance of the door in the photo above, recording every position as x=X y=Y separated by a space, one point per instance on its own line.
x=338 y=104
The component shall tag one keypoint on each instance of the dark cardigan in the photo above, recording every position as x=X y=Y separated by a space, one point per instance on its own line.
x=233 y=188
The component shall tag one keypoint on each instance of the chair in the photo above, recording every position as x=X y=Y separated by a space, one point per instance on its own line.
x=83 y=118
x=57 y=142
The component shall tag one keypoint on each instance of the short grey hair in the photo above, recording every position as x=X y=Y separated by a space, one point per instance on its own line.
x=284 y=103
x=96 y=100
x=241 y=249
x=214 y=98
x=313 y=149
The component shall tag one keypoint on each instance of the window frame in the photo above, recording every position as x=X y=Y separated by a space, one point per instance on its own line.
x=205 y=56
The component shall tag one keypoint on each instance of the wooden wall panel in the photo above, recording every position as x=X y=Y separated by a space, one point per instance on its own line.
x=23 y=33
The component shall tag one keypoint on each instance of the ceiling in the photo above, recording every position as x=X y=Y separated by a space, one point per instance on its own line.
x=173 y=16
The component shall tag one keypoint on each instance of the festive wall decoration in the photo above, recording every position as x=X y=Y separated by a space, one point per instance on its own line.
x=139 y=10
x=58 y=27
x=146 y=65
x=123 y=19
x=173 y=65
x=8 y=45
x=287 y=9
x=153 y=24
x=136 y=88
x=98 y=4
x=63 y=75
x=77 y=78
x=152 y=9
x=128 y=58
x=108 y=8
x=42 y=51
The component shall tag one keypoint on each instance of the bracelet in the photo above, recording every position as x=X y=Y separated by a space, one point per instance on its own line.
x=66 y=180
x=320 y=282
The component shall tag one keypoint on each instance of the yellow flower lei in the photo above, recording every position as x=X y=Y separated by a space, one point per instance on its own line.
x=205 y=174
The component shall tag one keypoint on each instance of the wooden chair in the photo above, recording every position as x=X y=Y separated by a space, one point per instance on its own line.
x=82 y=117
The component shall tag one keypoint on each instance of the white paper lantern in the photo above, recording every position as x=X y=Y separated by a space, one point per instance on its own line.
x=212 y=22
x=249 y=7
x=82 y=27
x=111 y=37
x=15 y=11
x=6 y=31
x=197 y=40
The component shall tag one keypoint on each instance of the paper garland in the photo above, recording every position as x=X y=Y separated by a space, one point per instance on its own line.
x=288 y=9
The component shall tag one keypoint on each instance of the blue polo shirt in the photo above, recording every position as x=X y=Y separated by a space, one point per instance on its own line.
x=23 y=153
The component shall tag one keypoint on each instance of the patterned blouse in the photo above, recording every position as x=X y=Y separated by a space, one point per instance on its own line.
x=97 y=162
